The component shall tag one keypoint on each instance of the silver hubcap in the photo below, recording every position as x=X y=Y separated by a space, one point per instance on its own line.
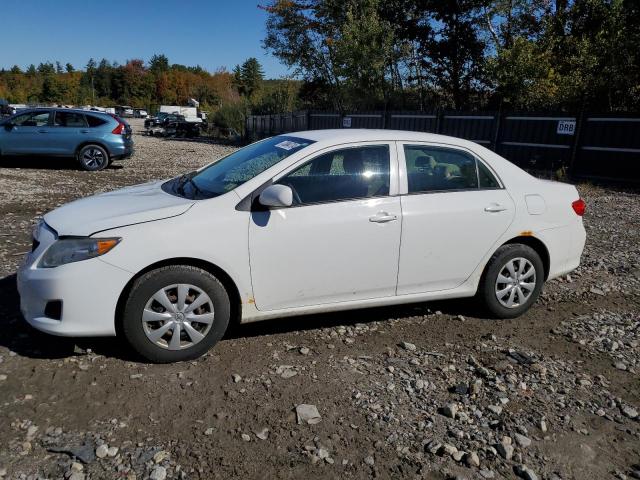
x=93 y=157
x=516 y=282
x=178 y=316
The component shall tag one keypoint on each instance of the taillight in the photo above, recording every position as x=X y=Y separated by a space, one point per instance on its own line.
x=119 y=130
x=579 y=206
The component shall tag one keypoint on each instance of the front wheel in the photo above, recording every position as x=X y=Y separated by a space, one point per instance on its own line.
x=93 y=158
x=512 y=281
x=175 y=313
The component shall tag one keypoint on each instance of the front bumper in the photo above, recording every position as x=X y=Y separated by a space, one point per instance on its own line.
x=89 y=292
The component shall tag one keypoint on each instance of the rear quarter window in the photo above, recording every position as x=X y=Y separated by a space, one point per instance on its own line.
x=94 y=121
x=487 y=179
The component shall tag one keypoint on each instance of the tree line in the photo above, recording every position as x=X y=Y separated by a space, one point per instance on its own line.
x=461 y=54
x=228 y=96
x=385 y=54
x=108 y=83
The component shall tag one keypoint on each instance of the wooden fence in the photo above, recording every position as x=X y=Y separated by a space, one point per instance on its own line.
x=585 y=145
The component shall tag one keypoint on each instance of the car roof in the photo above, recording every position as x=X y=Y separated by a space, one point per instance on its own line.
x=61 y=109
x=367 y=134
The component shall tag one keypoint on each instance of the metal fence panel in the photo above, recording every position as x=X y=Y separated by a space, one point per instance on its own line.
x=365 y=119
x=323 y=120
x=413 y=121
x=592 y=146
x=475 y=127
x=609 y=147
x=533 y=141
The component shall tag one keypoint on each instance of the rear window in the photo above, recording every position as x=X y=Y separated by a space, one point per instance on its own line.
x=94 y=121
x=118 y=119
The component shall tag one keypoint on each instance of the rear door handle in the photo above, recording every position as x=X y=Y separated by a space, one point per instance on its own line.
x=495 y=207
x=84 y=131
x=383 y=217
x=43 y=131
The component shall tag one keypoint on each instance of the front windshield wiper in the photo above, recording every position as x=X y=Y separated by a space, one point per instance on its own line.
x=187 y=178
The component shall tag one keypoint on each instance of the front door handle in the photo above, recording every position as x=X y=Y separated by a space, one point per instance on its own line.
x=383 y=217
x=495 y=207
x=43 y=131
x=84 y=131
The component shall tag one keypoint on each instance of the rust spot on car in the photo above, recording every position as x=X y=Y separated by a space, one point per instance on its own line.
x=526 y=233
x=251 y=300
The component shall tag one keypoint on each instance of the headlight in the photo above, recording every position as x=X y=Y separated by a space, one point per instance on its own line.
x=69 y=250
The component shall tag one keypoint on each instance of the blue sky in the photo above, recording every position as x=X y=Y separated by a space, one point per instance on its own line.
x=214 y=33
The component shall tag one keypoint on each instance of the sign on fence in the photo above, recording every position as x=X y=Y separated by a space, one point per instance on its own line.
x=346 y=122
x=566 y=127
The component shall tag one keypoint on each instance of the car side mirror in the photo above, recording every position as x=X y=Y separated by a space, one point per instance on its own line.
x=8 y=126
x=276 y=196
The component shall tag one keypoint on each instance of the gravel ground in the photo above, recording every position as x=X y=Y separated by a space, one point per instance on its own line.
x=428 y=391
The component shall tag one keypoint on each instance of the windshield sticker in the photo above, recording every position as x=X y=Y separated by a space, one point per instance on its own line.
x=287 y=145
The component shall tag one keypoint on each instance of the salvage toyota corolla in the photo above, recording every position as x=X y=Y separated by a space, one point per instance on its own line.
x=296 y=224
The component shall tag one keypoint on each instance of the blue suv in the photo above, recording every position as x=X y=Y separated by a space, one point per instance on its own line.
x=95 y=139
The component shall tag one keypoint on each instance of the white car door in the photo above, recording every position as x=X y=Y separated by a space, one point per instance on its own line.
x=340 y=239
x=454 y=211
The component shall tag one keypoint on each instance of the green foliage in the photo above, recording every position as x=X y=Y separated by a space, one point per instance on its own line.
x=531 y=54
x=248 y=78
x=277 y=96
x=105 y=83
x=375 y=54
x=231 y=115
x=159 y=63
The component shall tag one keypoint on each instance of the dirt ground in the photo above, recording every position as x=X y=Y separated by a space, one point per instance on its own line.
x=421 y=391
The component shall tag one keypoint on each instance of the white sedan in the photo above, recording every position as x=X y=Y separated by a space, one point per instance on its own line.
x=302 y=223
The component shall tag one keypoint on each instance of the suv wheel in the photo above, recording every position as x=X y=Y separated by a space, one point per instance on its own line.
x=93 y=158
x=175 y=313
x=512 y=281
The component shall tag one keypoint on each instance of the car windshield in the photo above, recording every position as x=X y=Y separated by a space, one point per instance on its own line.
x=233 y=170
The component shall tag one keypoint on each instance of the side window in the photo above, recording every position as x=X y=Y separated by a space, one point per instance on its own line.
x=359 y=172
x=94 y=121
x=431 y=169
x=69 y=119
x=487 y=179
x=21 y=119
x=32 y=119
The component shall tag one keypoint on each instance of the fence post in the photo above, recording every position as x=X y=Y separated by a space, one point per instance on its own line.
x=577 y=141
x=439 y=120
x=307 y=119
x=498 y=129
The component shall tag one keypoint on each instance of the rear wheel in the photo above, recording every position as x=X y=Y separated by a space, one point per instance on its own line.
x=175 y=313
x=512 y=281
x=93 y=158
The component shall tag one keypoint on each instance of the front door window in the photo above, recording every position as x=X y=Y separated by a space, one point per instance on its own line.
x=349 y=173
x=32 y=119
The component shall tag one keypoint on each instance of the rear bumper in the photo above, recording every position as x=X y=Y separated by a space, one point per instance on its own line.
x=127 y=154
x=565 y=245
x=122 y=150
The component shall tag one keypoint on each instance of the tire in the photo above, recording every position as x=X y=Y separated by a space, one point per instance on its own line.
x=154 y=338
x=93 y=158
x=492 y=285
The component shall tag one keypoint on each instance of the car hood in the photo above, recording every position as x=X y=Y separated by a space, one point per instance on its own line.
x=127 y=206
